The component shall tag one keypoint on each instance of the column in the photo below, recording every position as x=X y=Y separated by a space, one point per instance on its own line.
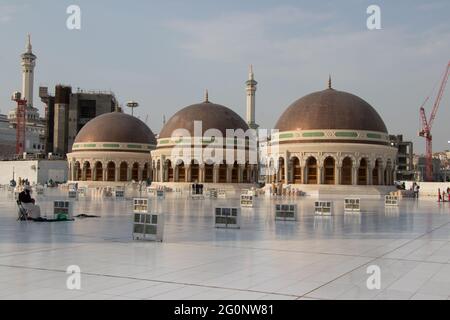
x=175 y=174
x=201 y=173
x=70 y=172
x=241 y=169
x=83 y=173
x=382 y=181
x=320 y=174
x=140 y=171
x=355 y=175
x=128 y=173
x=291 y=171
x=164 y=173
x=369 y=173
x=229 y=173
x=216 y=173
x=286 y=168
x=187 y=173
x=277 y=174
x=161 y=170
x=337 y=175
x=105 y=174
x=117 y=172
x=304 y=170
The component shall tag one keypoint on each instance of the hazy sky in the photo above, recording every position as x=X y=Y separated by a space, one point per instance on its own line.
x=164 y=54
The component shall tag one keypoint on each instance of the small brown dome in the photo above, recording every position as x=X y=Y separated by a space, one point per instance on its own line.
x=331 y=109
x=116 y=127
x=212 y=116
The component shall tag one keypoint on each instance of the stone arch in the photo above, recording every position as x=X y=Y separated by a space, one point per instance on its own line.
x=296 y=170
x=281 y=170
x=347 y=156
x=311 y=170
x=362 y=171
x=195 y=171
x=271 y=170
x=245 y=176
x=181 y=171
x=388 y=172
x=87 y=171
x=77 y=171
x=145 y=173
x=209 y=172
x=235 y=173
x=135 y=172
x=170 y=171
x=111 y=171
x=346 y=171
x=329 y=172
x=123 y=171
x=376 y=172
x=98 y=171
x=223 y=168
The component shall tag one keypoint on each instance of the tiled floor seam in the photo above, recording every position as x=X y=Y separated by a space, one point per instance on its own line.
x=151 y=280
x=380 y=257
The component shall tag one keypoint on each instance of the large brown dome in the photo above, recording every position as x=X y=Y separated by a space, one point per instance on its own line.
x=116 y=127
x=213 y=116
x=331 y=109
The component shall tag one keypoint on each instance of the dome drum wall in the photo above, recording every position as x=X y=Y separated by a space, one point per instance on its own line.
x=378 y=161
x=101 y=168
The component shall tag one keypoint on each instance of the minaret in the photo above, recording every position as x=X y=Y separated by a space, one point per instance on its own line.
x=251 y=90
x=28 y=64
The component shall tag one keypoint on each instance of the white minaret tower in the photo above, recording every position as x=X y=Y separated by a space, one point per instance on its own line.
x=251 y=90
x=28 y=64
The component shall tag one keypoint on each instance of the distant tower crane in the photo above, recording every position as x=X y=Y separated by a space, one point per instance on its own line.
x=428 y=124
x=20 y=122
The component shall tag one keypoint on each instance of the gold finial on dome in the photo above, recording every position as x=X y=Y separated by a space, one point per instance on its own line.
x=329 y=82
x=206 y=96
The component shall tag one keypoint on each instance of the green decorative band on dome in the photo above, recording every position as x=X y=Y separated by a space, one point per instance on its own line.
x=373 y=136
x=286 y=135
x=313 y=134
x=112 y=146
x=134 y=146
x=203 y=141
x=330 y=135
x=346 y=134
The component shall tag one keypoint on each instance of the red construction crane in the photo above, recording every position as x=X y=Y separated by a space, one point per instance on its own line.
x=20 y=122
x=428 y=124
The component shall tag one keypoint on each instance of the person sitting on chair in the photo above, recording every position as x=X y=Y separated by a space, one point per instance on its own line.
x=34 y=211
